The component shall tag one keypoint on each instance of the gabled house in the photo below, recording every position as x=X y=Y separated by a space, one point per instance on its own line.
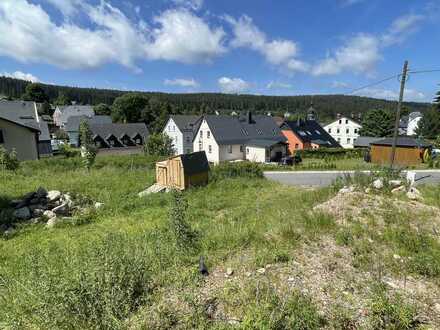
x=345 y=131
x=307 y=134
x=62 y=113
x=119 y=135
x=73 y=123
x=181 y=129
x=26 y=114
x=228 y=138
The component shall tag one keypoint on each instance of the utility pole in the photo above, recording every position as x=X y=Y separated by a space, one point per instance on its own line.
x=399 y=109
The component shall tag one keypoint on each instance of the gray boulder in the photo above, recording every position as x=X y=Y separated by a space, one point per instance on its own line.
x=378 y=184
x=23 y=213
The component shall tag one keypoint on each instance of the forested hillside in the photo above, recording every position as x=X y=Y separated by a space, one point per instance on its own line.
x=326 y=105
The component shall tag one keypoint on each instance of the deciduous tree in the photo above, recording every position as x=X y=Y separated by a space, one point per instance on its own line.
x=429 y=125
x=159 y=144
x=128 y=107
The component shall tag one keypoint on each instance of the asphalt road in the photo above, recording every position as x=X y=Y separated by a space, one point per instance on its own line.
x=325 y=178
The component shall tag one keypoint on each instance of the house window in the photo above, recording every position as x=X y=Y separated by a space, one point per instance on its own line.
x=340 y=121
x=347 y=130
x=210 y=149
x=188 y=139
x=338 y=130
x=339 y=139
x=200 y=146
x=241 y=148
x=208 y=134
x=201 y=134
x=355 y=131
x=2 y=140
x=329 y=130
x=296 y=146
x=230 y=149
x=346 y=121
x=247 y=151
x=348 y=140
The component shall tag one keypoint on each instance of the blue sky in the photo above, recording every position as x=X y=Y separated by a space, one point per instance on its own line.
x=282 y=47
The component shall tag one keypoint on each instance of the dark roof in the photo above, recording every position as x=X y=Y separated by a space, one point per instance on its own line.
x=24 y=113
x=73 y=122
x=310 y=131
x=403 y=141
x=233 y=130
x=119 y=130
x=263 y=143
x=187 y=122
x=365 y=141
x=195 y=163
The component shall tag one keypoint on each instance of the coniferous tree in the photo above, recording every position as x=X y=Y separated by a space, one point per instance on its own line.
x=429 y=125
x=377 y=123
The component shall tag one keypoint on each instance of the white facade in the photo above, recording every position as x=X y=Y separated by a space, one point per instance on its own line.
x=413 y=124
x=205 y=141
x=182 y=141
x=345 y=131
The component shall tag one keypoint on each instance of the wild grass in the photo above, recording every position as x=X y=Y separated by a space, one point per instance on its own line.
x=104 y=269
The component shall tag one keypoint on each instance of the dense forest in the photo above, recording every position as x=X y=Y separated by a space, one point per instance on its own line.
x=327 y=106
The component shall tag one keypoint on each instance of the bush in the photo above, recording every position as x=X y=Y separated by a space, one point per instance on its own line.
x=8 y=160
x=234 y=170
x=69 y=152
x=185 y=237
x=331 y=153
x=159 y=144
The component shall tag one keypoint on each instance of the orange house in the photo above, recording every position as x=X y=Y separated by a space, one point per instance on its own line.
x=306 y=134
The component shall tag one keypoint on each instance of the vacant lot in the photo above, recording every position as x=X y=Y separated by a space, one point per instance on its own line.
x=278 y=257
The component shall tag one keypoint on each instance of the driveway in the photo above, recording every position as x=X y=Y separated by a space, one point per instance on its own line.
x=326 y=178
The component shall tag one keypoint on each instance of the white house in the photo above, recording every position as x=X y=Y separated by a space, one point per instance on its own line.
x=181 y=129
x=62 y=113
x=413 y=123
x=345 y=131
x=228 y=138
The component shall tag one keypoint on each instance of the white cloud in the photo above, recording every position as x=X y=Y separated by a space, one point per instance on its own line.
x=410 y=94
x=277 y=52
x=360 y=54
x=67 y=7
x=21 y=75
x=191 y=4
x=184 y=37
x=278 y=85
x=182 y=82
x=402 y=28
x=233 y=85
x=32 y=35
x=339 y=84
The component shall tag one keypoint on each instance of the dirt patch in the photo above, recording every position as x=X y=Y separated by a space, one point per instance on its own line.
x=362 y=207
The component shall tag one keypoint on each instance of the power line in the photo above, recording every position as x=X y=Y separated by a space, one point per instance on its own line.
x=424 y=71
x=375 y=83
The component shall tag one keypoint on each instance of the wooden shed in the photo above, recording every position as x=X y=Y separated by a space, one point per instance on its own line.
x=183 y=171
x=409 y=151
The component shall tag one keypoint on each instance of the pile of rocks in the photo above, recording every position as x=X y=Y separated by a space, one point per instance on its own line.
x=396 y=186
x=47 y=206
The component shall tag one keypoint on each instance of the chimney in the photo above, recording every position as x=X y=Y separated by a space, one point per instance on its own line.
x=249 y=117
x=338 y=116
x=352 y=115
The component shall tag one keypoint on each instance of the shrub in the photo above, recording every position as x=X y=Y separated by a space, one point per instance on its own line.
x=159 y=144
x=331 y=153
x=69 y=152
x=8 y=160
x=185 y=237
x=234 y=170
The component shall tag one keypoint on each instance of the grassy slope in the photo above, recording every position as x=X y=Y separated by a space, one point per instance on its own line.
x=123 y=270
